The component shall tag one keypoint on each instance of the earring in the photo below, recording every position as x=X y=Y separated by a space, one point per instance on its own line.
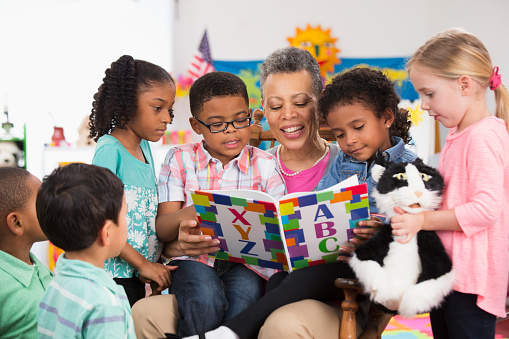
x=388 y=126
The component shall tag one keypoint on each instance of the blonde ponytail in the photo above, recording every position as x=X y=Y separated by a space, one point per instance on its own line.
x=502 y=104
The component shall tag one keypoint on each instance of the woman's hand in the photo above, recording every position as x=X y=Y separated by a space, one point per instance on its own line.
x=362 y=234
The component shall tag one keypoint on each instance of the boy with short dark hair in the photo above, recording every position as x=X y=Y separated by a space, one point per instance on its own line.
x=82 y=210
x=23 y=278
x=210 y=291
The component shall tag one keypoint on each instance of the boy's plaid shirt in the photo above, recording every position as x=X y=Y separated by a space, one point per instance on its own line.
x=190 y=167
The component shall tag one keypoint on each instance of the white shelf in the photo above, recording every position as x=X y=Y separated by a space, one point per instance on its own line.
x=53 y=156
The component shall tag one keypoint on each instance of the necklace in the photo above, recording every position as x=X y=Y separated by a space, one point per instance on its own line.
x=279 y=163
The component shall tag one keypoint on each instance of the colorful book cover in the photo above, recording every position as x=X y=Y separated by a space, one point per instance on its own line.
x=299 y=230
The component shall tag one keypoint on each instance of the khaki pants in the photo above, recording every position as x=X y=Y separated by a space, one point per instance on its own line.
x=154 y=316
x=157 y=315
x=304 y=319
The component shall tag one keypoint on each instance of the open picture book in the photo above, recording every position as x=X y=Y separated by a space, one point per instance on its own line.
x=298 y=230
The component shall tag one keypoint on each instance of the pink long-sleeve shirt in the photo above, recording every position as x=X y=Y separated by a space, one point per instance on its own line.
x=475 y=167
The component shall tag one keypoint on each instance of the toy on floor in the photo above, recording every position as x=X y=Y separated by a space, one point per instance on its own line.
x=412 y=278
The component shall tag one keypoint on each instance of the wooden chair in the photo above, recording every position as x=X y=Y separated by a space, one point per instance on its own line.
x=351 y=287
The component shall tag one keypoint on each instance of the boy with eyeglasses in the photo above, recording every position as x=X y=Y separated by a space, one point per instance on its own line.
x=210 y=291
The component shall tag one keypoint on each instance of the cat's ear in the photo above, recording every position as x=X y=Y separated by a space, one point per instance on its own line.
x=376 y=172
x=418 y=161
x=380 y=159
x=379 y=166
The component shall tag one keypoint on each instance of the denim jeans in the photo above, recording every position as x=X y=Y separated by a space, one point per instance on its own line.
x=209 y=296
x=459 y=317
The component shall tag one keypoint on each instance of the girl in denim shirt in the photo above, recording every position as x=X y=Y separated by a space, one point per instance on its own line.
x=361 y=109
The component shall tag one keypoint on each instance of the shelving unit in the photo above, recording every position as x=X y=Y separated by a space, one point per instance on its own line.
x=54 y=156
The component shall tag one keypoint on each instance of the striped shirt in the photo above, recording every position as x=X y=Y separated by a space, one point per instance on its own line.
x=190 y=167
x=83 y=301
x=22 y=287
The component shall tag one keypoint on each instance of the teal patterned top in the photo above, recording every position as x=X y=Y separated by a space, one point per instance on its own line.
x=140 y=188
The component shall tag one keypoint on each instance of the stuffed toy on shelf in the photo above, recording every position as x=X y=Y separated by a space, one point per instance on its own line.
x=10 y=154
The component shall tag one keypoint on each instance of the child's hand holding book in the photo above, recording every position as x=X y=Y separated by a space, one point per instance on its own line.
x=364 y=232
x=191 y=241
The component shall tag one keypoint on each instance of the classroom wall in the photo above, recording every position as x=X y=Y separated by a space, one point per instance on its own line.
x=250 y=30
x=53 y=54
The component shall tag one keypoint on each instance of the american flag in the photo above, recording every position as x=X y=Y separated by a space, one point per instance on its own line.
x=202 y=62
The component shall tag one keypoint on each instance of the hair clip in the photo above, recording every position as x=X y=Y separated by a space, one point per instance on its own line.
x=496 y=79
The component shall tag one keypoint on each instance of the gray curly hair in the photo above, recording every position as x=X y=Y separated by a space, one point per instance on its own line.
x=289 y=60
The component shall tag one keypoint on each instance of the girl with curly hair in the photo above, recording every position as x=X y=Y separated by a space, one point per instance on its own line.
x=361 y=108
x=133 y=106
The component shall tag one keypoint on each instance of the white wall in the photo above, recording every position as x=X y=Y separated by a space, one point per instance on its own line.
x=54 y=54
x=249 y=30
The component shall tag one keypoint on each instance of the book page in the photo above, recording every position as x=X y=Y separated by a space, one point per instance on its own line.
x=246 y=194
x=317 y=224
x=308 y=228
x=248 y=229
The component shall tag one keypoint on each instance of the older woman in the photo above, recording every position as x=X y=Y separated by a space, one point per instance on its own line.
x=291 y=85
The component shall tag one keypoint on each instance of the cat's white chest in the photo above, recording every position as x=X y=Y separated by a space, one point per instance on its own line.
x=402 y=267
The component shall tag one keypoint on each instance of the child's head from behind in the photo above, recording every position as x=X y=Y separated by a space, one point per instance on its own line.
x=18 y=191
x=451 y=68
x=361 y=108
x=215 y=99
x=135 y=94
x=76 y=201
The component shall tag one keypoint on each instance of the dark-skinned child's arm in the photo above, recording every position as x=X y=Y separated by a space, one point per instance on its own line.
x=169 y=216
x=158 y=273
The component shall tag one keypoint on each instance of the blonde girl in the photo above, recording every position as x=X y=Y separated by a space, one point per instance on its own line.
x=452 y=72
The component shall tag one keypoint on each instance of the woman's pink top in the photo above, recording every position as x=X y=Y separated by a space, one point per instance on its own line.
x=306 y=180
x=475 y=166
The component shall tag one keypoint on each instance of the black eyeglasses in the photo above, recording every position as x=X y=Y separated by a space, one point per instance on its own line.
x=218 y=127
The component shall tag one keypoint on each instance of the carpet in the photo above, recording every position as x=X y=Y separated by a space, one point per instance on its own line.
x=416 y=328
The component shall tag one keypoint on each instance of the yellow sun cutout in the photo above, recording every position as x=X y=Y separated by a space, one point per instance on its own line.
x=320 y=44
x=415 y=114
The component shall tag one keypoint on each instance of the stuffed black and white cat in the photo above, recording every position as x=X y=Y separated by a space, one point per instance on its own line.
x=410 y=278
